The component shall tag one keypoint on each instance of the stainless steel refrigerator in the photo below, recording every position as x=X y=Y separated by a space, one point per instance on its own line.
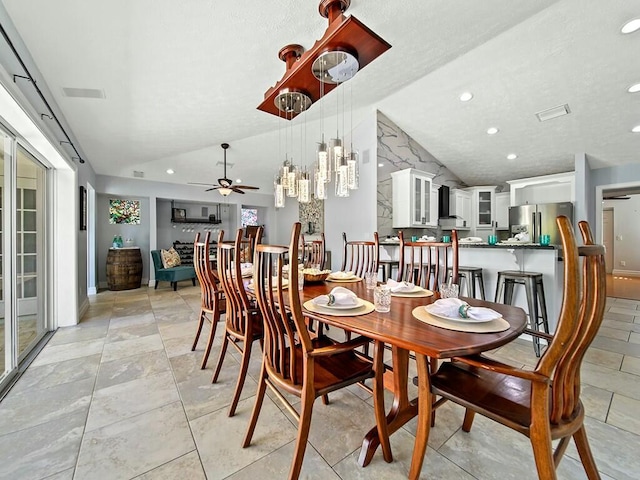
x=539 y=220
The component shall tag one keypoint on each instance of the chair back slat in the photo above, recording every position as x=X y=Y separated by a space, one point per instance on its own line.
x=314 y=252
x=360 y=257
x=427 y=264
x=281 y=330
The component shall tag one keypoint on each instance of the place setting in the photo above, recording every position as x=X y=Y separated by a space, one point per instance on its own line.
x=407 y=289
x=339 y=302
x=344 y=277
x=452 y=313
x=285 y=283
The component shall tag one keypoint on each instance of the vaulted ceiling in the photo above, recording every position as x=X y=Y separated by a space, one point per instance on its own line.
x=180 y=78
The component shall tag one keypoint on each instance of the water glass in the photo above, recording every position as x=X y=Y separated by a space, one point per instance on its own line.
x=371 y=280
x=446 y=239
x=545 y=239
x=414 y=238
x=449 y=290
x=382 y=298
x=492 y=239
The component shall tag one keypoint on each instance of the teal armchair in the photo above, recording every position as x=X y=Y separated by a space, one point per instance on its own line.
x=173 y=274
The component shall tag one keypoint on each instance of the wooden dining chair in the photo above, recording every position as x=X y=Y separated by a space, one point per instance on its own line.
x=360 y=256
x=212 y=301
x=243 y=322
x=314 y=252
x=293 y=362
x=427 y=264
x=543 y=403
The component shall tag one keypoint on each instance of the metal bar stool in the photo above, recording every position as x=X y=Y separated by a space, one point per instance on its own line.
x=387 y=267
x=471 y=275
x=534 y=288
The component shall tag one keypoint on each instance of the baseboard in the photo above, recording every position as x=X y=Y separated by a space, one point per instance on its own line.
x=83 y=309
x=92 y=291
x=626 y=273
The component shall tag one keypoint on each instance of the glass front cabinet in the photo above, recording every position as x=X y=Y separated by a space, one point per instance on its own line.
x=413 y=199
x=484 y=206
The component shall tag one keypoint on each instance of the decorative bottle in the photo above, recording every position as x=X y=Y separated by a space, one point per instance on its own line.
x=115 y=241
x=120 y=244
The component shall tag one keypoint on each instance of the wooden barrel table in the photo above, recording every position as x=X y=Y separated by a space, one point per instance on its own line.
x=124 y=268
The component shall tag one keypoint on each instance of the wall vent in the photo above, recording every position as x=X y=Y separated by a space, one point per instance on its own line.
x=83 y=92
x=554 y=112
x=138 y=174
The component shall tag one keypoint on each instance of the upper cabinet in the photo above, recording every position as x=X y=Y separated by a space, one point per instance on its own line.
x=483 y=206
x=460 y=204
x=413 y=199
x=545 y=189
x=502 y=210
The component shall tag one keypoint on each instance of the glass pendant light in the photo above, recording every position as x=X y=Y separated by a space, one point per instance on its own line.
x=324 y=166
x=320 y=181
x=279 y=192
x=304 y=187
x=342 y=179
x=292 y=181
x=353 y=170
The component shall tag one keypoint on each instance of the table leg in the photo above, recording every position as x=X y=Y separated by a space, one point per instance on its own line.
x=425 y=409
x=401 y=411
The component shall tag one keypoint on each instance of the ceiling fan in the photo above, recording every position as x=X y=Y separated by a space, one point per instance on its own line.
x=225 y=185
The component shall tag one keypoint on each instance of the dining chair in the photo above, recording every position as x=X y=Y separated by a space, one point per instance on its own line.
x=293 y=362
x=543 y=403
x=243 y=322
x=212 y=301
x=360 y=256
x=427 y=264
x=314 y=252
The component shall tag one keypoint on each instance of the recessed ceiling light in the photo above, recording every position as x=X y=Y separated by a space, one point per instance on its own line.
x=634 y=88
x=512 y=156
x=636 y=129
x=238 y=180
x=492 y=131
x=381 y=164
x=466 y=96
x=170 y=171
x=631 y=26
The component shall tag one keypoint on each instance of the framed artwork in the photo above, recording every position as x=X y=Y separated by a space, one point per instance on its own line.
x=179 y=215
x=83 y=208
x=124 y=212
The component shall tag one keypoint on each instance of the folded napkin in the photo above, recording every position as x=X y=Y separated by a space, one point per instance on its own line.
x=395 y=239
x=338 y=296
x=450 y=307
x=471 y=239
x=246 y=269
x=398 y=287
x=341 y=275
x=522 y=237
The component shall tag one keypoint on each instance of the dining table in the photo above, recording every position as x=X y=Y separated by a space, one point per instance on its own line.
x=404 y=333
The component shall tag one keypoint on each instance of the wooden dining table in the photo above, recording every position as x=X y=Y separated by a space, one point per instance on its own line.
x=404 y=333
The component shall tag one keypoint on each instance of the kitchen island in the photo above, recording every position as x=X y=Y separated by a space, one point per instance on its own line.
x=530 y=257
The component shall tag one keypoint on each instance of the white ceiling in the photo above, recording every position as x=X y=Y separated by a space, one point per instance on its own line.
x=182 y=77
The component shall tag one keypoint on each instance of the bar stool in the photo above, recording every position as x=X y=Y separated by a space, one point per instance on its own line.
x=470 y=276
x=534 y=288
x=387 y=267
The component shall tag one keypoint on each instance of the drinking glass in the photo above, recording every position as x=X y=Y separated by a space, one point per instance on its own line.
x=446 y=239
x=545 y=239
x=492 y=239
x=371 y=280
x=449 y=290
x=382 y=298
x=414 y=238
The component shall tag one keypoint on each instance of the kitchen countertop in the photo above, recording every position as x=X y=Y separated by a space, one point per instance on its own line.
x=535 y=246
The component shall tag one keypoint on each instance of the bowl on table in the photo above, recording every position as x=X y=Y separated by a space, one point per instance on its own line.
x=312 y=275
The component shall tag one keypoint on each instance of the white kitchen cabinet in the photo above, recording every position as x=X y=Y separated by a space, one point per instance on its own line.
x=483 y=207
x=559 y=187
x=460 y=205
x=502 y=210
x=433 y=208
x=412 y=199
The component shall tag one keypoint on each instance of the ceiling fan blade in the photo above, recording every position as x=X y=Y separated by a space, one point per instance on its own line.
x=247 y=187
x=224 y=182
x=198 y=183
x=237 y=190
x=212 y=188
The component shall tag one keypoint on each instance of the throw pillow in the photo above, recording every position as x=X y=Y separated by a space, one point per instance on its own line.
x=170 y=258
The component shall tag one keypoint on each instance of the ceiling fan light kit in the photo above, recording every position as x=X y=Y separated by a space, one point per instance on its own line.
x=225 y=185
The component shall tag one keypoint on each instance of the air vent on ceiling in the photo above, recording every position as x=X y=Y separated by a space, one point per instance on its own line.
x=554 y=112
x=138 y=174
x=229 y=164
x=83 y=92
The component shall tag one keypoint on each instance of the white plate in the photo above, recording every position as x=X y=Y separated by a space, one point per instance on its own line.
x=458 y=319
x=415 y=289
x=342 y=307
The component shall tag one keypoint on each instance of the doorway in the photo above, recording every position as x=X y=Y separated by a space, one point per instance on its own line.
x=607 y=238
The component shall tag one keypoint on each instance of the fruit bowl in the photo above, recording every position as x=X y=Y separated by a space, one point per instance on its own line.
x=314 y=275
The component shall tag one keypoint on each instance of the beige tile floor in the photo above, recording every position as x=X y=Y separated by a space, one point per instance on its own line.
x=121 y=396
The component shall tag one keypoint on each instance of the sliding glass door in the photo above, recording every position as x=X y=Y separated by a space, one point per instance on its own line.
x=23 y=237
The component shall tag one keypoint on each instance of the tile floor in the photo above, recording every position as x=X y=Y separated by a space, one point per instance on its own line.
x=121 y=396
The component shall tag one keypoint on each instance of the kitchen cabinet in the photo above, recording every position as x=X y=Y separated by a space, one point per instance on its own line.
x=412 y=199
x=460 y=205
x=483 y=207
x=556 y=188
x=502 y=210
x=433 y=202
